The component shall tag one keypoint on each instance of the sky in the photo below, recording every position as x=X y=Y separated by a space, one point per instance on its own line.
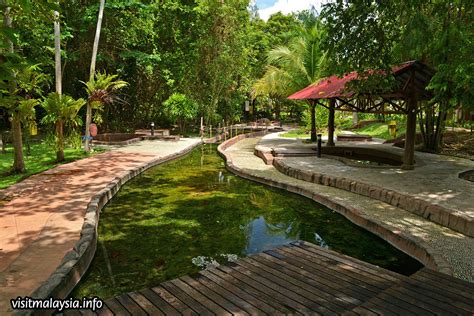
x=268 y=7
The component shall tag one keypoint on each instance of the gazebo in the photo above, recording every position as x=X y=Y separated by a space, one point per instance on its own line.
x=411 y=80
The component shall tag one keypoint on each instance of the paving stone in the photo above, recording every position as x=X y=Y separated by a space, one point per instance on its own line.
x=52 y=207
x=435 y=245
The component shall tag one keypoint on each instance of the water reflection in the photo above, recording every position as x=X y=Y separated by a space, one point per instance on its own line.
x=263 y=236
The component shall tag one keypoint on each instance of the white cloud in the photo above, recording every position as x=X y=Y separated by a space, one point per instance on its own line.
x=288 y=6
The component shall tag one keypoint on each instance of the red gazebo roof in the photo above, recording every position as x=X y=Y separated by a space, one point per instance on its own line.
x=335 y=87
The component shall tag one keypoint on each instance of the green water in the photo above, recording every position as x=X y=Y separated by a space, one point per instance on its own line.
x=166 y=222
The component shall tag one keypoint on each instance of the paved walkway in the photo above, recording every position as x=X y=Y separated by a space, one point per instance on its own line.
x=435 y=180
x=42 y=216
x=455 y=249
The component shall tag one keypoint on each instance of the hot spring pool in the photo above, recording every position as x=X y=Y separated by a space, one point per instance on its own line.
x=179 y=217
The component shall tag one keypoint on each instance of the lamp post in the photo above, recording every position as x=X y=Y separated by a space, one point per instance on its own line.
x=319 y=137
x=152 y=129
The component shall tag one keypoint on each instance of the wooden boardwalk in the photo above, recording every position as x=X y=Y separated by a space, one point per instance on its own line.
x=300 y=278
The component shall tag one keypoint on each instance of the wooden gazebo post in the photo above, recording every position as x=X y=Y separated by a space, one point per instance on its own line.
x=410 y=135
x=312 y=105
x=332 y=105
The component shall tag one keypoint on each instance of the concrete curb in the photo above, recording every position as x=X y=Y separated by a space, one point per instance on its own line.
x=433 y=212
x=411 y=245
x=76 y=262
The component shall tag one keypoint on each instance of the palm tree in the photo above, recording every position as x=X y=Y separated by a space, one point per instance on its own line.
x=294 y=67
x=19 y=100
x=102 y=90
x=61 y=110
x=95 y=48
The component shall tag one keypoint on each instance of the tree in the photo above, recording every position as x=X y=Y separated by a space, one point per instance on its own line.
x=92 y=72
x=57 y=53
x=21 y=79
x=61 y=111
x=379 y=34
x=181 y=109
x=19 y=100
x=102 y=89
x=294 y=67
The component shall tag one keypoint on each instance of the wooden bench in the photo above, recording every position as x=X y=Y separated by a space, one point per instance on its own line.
x=353 y=138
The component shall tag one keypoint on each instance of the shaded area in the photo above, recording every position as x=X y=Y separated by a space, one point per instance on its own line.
x=468 y=175
x=191 y=208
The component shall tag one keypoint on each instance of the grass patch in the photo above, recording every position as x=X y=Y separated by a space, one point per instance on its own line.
x=297 y=133
x=42 y=158
x=380 y=130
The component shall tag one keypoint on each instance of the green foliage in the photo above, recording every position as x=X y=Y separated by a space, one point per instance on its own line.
x=378 y=34
x=102 y=89
x=19 y=99
x=181 y=109
x=62 y=108
x=380 y=130
x=294 y=67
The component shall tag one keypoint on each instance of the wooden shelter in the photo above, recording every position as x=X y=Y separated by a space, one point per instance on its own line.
x=411 y=80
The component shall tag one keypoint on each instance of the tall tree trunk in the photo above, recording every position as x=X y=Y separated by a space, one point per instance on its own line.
x=92 y=72
x=409 y=154
x=18 y=162
x=355 y=118
x=313 y=121
x=57 y=59
x=57 y=53
x=332 y=105
x=60 y=141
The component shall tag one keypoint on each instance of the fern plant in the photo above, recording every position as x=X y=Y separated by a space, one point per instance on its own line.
x=62 y=111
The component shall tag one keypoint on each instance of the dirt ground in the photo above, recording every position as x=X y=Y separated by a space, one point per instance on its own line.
x=460 y=144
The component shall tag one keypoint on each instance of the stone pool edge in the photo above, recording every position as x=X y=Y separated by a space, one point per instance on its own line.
x=411 y=245
x=76 y=262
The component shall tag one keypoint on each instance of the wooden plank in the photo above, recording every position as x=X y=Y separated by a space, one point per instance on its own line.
x=130 y=305
x=339 y=293
x=360 y=280
x=461 y=285
x=282 y=290
x=236 y=300
x=160 y=303
x=359 y=310
x=104 y=311
x=213 y=296
x=382 y=307
x=336 y=272
x=425 y=288
x=325 y=301
x=145 y=304
x=356 y=263
x=198 y=296
x=246 y=296
x=391 y=300
x=329 y=278
x=116 y=307
x=165 y=300
x=365 y=273
x=267 y=289
x=423 y=301
x=360 y=274
x=450 y=284
x=187 y=299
